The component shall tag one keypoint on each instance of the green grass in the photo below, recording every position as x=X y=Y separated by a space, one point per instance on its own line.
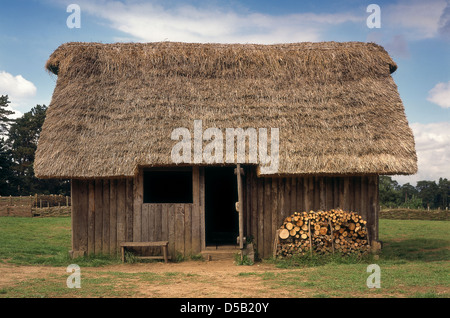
x=26 y=241
x=415 y=240
x=42 y=241
x=414 y=262
x=403 y=241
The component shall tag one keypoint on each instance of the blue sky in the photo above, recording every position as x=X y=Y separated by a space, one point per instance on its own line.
x=415 y=33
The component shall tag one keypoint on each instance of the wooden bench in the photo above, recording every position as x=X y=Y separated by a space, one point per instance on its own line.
x=162 y=244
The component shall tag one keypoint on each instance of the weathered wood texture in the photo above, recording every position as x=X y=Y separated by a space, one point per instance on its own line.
x=108 y=212
x=101 y=215
x=182 y=224
x=271 y=200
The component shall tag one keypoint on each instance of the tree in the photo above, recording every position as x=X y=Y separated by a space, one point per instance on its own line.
x=408 y=196
x=22 y=139
x=6 y=175
x=428 y=191
x=444 y=193
x=389 y=194
x=4 y=113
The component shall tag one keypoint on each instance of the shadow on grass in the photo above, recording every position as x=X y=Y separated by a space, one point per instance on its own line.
x=420 y=249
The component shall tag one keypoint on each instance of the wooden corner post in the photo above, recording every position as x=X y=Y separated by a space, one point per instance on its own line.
x=240 y=209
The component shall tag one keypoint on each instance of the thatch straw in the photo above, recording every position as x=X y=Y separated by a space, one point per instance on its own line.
x=115 y=105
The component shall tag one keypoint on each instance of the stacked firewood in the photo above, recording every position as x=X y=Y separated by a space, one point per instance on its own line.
x=322 y=232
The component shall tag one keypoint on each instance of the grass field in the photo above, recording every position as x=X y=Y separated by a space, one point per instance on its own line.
x=414 y=262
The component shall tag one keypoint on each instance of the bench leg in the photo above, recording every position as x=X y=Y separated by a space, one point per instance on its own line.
x=165 y=253
x=123 y=253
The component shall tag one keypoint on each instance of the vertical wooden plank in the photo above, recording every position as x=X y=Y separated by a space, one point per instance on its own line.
x=179 y=228
x=91 y=218
x=84 y=221
x=151 y=222
x=376 y=206
x=329 y=193
x=316 y=193
x=267 y=217
x=351 y=194
x=369 y=207
x=305 y=194
x=293 y=195
x=151 y=208
x=357 y=194
x=121 y=219
x=164 y=222
x=158 y=222
x=363 y=203
x=98 y=216
x=372 y=207
x=282 y=214
x=274 y=211
x=106 y=217
x=188 y=229
x=323 y=194
x=129 y=210
x=171 y=230
x=248 y=206
x=346 y=193
x=240 y=207
x=287 y=199
x=76 y=208
x=196 y=233
x=202 y=206
x=299 y=205
x=138 y=197
x=336 y=193
x=342 y=193
x=310 y=196
x=261 y=208
x=145 y=216
x=113 y=216
x=254 y=199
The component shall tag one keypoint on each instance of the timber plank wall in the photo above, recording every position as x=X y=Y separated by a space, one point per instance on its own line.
x=102 y=213
x=271 y=200
x=108 y=212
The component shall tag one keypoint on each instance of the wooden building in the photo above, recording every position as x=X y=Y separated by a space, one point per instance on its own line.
x=110 y=128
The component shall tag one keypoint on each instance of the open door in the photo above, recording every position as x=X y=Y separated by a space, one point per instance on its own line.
x=221 y=195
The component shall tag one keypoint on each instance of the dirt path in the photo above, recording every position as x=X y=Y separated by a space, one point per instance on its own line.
x=190 y=278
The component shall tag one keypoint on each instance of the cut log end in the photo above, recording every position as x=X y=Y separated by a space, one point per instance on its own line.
x=322 y=232
x=284 y=234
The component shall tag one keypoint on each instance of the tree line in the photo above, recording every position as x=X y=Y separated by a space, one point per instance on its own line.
x=425 y=195
x=18 y=143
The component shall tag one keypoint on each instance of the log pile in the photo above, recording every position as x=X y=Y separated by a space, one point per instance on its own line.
x=333 y=231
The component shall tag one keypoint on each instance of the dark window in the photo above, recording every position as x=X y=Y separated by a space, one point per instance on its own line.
x=168 y=186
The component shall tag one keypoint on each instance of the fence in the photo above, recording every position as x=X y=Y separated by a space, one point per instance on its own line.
x=37 y=205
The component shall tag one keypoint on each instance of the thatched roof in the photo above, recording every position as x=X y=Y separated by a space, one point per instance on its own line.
x=115 y=105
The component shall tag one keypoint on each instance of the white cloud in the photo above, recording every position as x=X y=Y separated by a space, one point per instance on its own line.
x=440 y=94
x=433 y=152
x=16 y=86
x=184 y=23
x=18 y=89
x=417 y=18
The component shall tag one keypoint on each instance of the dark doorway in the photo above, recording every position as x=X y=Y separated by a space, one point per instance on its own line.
x=221 y=218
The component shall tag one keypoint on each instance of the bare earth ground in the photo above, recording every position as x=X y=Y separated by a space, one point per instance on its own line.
x=188 y=279
x=209 y=279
